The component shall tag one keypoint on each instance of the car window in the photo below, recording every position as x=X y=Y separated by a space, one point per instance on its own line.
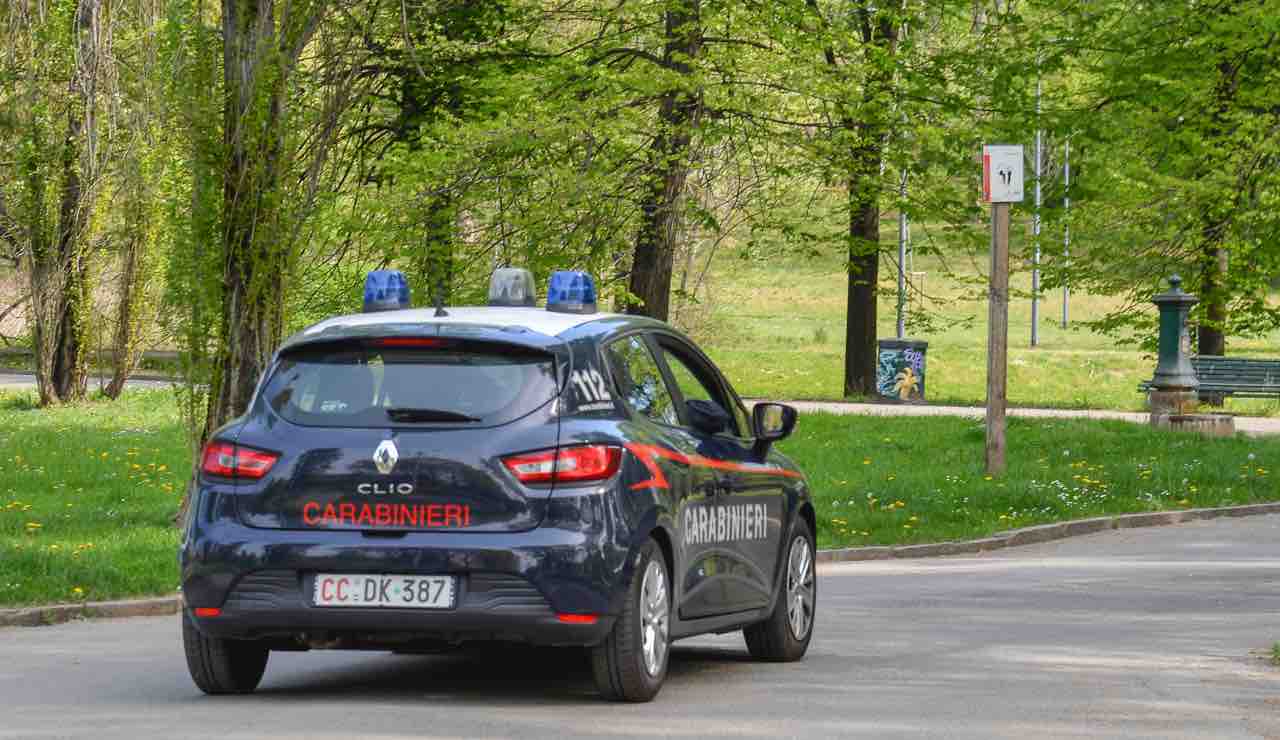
x=639 y=381
x=689 y=377
x=354 y=385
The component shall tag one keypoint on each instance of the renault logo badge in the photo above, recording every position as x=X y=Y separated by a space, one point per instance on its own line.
x=385 y=456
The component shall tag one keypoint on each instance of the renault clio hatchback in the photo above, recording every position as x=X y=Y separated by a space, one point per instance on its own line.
x=409 y=480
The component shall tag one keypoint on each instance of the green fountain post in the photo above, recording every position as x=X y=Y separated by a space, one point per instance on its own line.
x=1174 y=386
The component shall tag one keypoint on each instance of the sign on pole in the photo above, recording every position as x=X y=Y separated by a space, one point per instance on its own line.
x=1002 y=173
x=1001 y=185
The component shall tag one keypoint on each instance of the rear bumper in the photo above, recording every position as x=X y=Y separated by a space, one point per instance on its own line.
x=511 y=586
x=277 y=605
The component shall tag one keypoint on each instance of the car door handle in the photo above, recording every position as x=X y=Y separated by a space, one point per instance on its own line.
x=724 y=485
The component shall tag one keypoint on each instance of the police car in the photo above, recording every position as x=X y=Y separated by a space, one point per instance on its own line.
x=412 y=479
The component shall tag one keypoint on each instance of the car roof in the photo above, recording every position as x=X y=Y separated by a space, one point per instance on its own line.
x=540 y=320
x=535 y=322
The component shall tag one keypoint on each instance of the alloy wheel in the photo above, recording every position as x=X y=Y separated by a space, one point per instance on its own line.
x=801 y=587
x=654 y=616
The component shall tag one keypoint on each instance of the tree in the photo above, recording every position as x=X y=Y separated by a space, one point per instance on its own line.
x=1175 y=113
x=141 y=149
x=59 y=61
x=667 y=165
x=262 y=46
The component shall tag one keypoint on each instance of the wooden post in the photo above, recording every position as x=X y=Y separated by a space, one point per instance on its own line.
x=998 y=339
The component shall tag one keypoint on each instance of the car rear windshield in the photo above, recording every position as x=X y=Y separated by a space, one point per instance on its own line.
x=365 y=385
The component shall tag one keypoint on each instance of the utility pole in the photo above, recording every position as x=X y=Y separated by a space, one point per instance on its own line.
x=902 y=255
x=998 y=340
x=1035 y=226
x=1066 y=231
x=1001 y=185
x=902 y=214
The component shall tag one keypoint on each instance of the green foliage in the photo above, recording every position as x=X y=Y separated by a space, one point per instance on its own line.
x=447 y=137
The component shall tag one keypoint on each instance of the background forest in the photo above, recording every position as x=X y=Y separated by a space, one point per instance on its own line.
x=208 y=177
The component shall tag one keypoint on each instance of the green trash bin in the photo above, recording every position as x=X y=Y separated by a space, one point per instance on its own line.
x=900 y=372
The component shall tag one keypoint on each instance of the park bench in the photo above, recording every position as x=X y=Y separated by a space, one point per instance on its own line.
x=1234 y=376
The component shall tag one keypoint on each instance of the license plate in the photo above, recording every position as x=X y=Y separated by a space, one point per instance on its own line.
x=405 y=592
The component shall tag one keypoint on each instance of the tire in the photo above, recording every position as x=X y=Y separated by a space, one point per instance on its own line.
x=631 y=663
x=785 y=635
x=222 y=666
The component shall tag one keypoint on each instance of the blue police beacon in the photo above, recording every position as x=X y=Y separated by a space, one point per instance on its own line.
x=512 y=287
x=385 y=290
x=571 y=291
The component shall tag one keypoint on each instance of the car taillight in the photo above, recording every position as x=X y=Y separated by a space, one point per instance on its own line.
x=233 y=461
x=568 y=464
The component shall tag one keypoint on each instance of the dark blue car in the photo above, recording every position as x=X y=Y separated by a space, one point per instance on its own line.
x=409 y=480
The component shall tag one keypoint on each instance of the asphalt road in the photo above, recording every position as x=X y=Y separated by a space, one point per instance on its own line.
x=1151 y=633
x=16 y=381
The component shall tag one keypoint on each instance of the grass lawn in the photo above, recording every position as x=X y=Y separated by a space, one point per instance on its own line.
x=777 y=329
x=881 y=481
x=88 y=494
x=87 y=498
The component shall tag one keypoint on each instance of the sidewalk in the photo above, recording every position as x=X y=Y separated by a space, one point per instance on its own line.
x=1252 y=425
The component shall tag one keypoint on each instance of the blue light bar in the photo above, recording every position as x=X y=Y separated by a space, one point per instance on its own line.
x=511 y=286
x=570 y=291
x=385 y=290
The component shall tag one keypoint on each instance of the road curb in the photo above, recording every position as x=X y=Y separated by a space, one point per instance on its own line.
x=38 y=616
x=1042 y=533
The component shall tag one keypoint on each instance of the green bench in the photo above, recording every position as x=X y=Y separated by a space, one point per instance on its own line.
x=1233 y=376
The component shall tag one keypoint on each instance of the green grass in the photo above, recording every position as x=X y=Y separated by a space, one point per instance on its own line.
x=1275 y=653
x=87 y=498
x=883 y=481
x=88 y=493
x=776 y=327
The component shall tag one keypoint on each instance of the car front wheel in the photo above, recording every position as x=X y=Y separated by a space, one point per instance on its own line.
x=222 y=666
x=785 y=635
x=631 y=663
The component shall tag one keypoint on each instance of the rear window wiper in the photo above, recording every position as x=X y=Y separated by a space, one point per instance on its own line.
x=411 y=415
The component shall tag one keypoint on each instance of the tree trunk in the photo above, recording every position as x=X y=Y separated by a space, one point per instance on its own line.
x=860 y=351
x=864 y=188
x=668 y=167
x=136 y=309
x=61 y=279
x=1214 y=290
x=435 y=266
x=256 y=259
x=1211 y=337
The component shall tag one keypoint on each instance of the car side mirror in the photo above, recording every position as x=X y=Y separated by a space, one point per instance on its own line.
x=707 y=416
x=771 y=422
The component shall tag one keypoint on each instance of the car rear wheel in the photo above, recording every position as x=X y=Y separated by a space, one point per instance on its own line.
x=222 y=666
x=785 y=635
x=631 y=663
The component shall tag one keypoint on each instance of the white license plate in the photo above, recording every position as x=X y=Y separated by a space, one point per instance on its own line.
x=405 y=592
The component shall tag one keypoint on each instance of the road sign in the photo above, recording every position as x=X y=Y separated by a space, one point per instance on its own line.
x=1002 y=173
